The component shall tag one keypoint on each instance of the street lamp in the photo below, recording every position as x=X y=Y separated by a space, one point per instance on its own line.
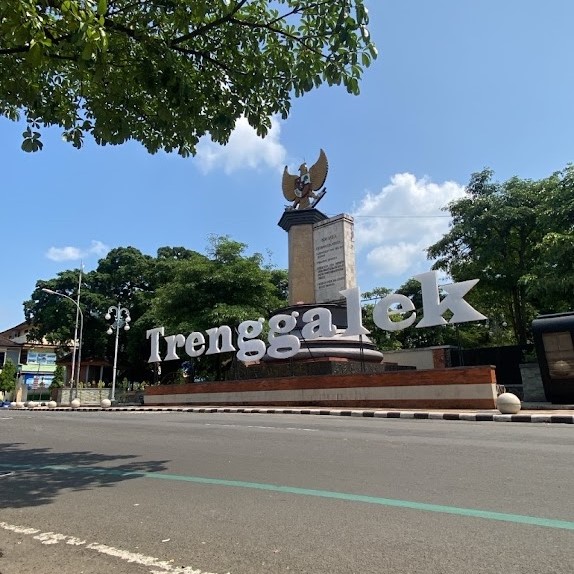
x=78 y=311
x=121 y=320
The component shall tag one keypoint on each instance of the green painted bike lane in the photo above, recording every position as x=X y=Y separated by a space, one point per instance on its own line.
x=344 y=496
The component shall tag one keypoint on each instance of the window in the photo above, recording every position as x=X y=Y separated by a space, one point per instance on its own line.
x=559 y=350
x=13 y=355
x=39 y=358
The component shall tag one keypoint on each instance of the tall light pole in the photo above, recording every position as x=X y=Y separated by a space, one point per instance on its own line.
x=79 y=362
x=121 y=320
x=78 y=312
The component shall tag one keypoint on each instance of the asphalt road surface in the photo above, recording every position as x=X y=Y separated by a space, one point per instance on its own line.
x=196 y=493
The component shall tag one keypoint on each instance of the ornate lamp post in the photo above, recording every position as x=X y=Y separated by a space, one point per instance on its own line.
x=78 y=311
x=121 y=320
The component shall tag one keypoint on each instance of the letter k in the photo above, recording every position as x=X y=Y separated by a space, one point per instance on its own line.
x=434 y=308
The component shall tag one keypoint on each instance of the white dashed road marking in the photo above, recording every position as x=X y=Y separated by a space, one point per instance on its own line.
x=133 y=557
x=259 y=427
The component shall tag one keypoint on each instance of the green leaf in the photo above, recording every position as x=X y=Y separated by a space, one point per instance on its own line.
x=31 y=145
x=34 y=55
x=27 y=145
x=87 y=51
x=167 y=73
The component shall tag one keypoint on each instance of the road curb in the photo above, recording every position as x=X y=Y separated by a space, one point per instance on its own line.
x=365 y=413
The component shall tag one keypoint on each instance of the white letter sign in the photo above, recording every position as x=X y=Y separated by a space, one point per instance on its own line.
x=434 y=308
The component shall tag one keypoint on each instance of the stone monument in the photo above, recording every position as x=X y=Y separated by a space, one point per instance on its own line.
x=326 y=370
x=321 y=263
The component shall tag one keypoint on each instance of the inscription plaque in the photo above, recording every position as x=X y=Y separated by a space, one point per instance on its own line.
x=334 y=257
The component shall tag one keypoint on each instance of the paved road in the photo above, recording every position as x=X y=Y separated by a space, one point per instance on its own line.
x=190 y=493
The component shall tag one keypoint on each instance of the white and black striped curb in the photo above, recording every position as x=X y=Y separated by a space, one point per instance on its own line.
x=417 y=415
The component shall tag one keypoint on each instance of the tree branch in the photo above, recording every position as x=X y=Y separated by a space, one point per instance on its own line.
x=113 y=9
x=109 y=23
x=18 y=50
x=209 y=26
x=296 y=11
x=209 y=58
x=279 y=32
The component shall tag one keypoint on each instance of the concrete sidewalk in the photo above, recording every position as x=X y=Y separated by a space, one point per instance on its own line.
x=530 y=413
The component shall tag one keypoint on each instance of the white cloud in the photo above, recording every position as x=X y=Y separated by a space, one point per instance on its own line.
x=245 y=149
x=98 y=248
x=70 y=253
x=394 y=227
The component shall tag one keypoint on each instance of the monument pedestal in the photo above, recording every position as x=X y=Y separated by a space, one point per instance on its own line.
x=321 y=264
x=299 y=226
x=340 y=347
x=455 y=388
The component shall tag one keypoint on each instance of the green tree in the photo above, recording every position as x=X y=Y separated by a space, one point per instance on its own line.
x=51 y=316
x=384 y=340
x=8 y=377
x=180 y=289
x=550 y=285
x=224 y=288
x=510 y=235
x=58 y=380
x=125 y=276
x=167 y=72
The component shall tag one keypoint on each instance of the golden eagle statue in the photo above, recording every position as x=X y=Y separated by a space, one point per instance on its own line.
x=300 y=189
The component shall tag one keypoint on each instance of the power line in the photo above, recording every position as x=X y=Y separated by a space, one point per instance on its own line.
x=397 y=216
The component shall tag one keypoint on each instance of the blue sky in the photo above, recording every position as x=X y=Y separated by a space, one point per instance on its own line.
x=458 y=86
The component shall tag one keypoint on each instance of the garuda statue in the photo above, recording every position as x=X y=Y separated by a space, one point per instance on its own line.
x=300 y=189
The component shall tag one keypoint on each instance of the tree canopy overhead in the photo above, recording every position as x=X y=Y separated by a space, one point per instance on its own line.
x=167 y=72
